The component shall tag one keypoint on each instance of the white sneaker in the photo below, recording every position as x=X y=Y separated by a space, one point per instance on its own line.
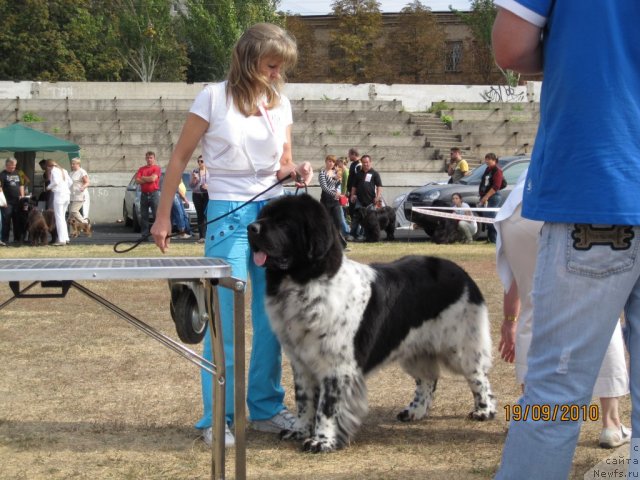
x=184 y=236
x=614 y=437
x=284 y=420
x=229 y=439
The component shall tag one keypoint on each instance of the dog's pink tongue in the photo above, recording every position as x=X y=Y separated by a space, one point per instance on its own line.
x=259 y=258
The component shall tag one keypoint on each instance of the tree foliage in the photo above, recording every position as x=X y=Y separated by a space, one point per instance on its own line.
x=210 y=29
x=137 y=40
x=148 y=42
x=308 y=66
x=415 y=48
x=355 y=51
x=479 y=53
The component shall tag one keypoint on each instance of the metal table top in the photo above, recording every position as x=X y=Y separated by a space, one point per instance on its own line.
x=44 y=269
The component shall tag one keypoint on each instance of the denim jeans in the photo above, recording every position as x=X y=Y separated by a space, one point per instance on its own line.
x=227 y=239
x=148 y=200
x=580 y=288
x=494 y=202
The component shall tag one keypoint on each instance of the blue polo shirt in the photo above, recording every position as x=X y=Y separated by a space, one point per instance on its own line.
x=585 y=165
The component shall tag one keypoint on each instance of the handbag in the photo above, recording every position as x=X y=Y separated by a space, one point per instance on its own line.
x=343 y=200
x=3 y=199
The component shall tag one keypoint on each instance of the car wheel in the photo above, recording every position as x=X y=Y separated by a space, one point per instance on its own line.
x=125 y=215
x=135 y=222
x=190 y=325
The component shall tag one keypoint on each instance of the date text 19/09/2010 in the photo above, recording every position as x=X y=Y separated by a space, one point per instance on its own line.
x=551 y=413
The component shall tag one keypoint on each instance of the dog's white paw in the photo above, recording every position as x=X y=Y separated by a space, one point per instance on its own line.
x=318 y=445
x=482 y=415
x=407 y=415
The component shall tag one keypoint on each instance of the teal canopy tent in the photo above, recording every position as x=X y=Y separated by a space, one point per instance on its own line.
x=25 y=142
x=18 y=138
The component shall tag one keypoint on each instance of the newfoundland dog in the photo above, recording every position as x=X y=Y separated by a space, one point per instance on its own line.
x=339 y=320
x=376 y=220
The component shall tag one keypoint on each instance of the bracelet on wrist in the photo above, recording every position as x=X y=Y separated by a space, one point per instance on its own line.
x=511 y=318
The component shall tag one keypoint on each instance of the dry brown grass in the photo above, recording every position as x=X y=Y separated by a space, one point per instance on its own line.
x=83 y=395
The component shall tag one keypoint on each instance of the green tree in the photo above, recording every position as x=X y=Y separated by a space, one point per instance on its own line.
x=148 y=41
x=210 y=30
x=33 y=46
x=355 y=51
x=479 y=53
x=92 y=35
x=308 y=64
x=415 y=48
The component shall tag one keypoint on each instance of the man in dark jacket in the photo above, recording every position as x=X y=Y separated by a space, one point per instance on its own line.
x=13 y=189
x=489 y=191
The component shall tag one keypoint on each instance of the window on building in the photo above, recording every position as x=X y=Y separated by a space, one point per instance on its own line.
x=453 y=57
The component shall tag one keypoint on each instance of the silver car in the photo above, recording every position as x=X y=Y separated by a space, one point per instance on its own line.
x=131 y=204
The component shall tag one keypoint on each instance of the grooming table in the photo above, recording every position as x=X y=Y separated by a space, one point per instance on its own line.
x=200 y=275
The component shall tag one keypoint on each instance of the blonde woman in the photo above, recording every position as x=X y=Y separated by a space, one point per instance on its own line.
x=79 y=191
x=244 y=127
x=59 y=183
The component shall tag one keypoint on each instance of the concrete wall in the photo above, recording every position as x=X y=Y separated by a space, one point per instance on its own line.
x=107 y=189
x=414 y=98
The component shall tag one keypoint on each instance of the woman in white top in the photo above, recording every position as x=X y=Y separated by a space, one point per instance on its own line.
x=468 y=228
x=59 y=183
x=78 y=190
x=244 y=127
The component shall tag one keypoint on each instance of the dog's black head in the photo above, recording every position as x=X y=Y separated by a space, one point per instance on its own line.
x=295 y=236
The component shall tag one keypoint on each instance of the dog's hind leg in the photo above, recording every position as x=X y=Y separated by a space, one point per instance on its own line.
x=341 y=407
x=425 y=371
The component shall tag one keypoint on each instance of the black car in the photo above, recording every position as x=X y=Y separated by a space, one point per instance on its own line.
x=435 y=194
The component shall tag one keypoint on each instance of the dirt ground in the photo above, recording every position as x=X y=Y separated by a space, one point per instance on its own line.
x=85 y=396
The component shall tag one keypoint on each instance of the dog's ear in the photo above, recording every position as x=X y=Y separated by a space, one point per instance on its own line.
x=319 y=229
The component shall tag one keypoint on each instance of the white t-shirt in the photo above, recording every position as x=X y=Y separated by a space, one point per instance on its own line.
x=77 y=195
x=242 y=154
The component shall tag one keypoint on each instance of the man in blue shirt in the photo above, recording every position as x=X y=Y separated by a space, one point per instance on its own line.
x=583 y=183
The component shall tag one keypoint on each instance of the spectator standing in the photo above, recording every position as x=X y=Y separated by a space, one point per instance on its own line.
x=366 y=190
x=179 y=217
x=13 y=189
x=60 y=186
x=45 y=195
x=248 y=108
x=354 y=157
x=489 y=190
x=80 y=180
x=330 y=181
x=587 y=268
x=148 y=177
x=200 y=196
x=458 y=167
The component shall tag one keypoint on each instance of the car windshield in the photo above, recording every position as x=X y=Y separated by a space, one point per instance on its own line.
x=475 y=176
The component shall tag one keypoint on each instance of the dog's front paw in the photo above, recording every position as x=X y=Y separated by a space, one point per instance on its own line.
x=482 y=415
x=316 y=445
x=405 y=416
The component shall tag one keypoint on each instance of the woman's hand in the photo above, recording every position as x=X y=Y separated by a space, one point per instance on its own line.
x=160 y=232
x=507 y=346
x=305 y=172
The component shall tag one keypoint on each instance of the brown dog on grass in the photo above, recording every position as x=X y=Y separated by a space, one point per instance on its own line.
x=37 y=228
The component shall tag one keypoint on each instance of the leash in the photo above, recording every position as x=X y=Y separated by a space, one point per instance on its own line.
x=143 y=238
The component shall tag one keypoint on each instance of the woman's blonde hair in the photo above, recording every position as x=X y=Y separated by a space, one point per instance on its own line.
x=244 y=82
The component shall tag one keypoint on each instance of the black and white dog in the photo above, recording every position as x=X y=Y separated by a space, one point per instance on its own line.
x=338 y=320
